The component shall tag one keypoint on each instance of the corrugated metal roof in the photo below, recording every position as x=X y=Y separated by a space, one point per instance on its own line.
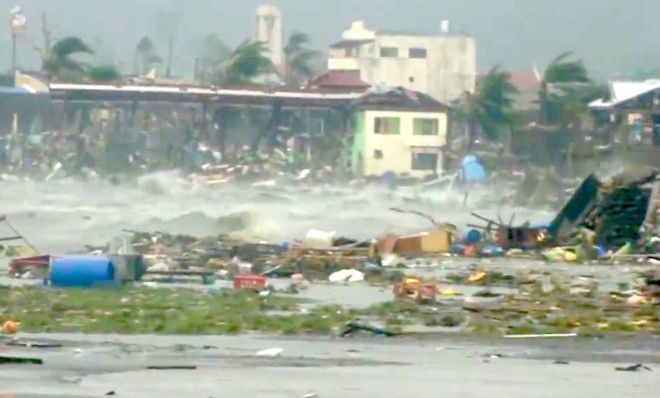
x=621 y=91
x=284 y=94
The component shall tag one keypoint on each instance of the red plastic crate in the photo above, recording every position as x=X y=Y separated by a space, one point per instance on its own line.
x=249 y=282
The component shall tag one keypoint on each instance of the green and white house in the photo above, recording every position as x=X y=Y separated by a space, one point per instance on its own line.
x=399 y=131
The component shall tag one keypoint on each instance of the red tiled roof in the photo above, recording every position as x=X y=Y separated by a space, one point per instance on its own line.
x=339 y=79
x=525 y=80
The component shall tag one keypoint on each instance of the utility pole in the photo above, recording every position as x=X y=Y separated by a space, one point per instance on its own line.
x=169 y=28
x=170 y=48
x=13 y=52
x=17 y=25
x=46 y=33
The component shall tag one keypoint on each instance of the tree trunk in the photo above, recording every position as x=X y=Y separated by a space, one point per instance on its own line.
x=472 y=131
x=543 y=103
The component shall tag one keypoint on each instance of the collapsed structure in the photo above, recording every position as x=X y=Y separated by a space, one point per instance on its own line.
x=620 y=211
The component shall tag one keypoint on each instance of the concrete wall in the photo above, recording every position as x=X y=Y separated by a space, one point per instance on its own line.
x=448 y=70
x=269 y=31
x=396 y=150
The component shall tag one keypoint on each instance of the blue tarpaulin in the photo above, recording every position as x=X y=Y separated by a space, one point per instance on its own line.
x=472 y=170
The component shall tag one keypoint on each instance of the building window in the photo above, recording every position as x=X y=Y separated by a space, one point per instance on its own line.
x=417 y=53
x=378 y=154
x=389 y=52
x=386 y=125
x=424 y=161
x=425 y=126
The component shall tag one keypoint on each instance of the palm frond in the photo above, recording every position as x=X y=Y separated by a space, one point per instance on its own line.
x=561 y=70
x=300 y=64
x=69 y=46
x=104 y=73
x=145 y=46
x=296 y=42
x=247 y=62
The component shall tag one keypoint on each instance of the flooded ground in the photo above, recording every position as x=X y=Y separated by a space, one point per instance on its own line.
x=62 y=216
x=93 y=366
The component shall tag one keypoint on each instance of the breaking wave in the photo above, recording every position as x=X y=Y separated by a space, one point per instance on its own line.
x=64 y=215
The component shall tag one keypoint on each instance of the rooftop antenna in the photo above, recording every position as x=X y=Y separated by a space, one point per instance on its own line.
x=444 y=27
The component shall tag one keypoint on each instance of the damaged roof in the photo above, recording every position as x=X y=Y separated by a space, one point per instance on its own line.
x=398 y=98
x=349 y=43
x=348 y=80
x=622 y=91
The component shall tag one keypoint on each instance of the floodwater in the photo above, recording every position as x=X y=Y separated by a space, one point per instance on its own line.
x=94 y=366
x=64 y=215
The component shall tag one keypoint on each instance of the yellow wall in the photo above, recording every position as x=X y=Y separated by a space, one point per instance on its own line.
x=397 y=149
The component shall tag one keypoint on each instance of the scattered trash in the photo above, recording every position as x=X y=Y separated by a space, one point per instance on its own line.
x=346 y=275
x=560 y=254
x=33 y=344
x=10 y=327
x=249 y=282
x=477 y=277
x=270 y=352
x=415 y=288
x=532 y=336
x=494 y=356
x=354 y=327
x=82 y=271
x=415 y=245
x=319 y=239
x=449 y=292
x=636 y=300
x=172 y=367
x=20 y=360
x=633 y=368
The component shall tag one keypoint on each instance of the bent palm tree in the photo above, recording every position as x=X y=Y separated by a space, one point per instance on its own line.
x=61 y=65
x=213 y=54
x=298 y=59
x=103 y=74
x=246 y=63
x=147 y=56
x=490 y=107
x=59 y=62
x=560 y=70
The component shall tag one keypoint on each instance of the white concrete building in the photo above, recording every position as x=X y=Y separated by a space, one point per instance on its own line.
x=399 y=131
x=269 y=31
x=443 y=66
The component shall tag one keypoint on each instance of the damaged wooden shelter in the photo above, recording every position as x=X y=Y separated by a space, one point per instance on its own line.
x=619 y=211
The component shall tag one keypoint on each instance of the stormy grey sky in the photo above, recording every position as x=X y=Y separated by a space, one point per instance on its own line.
x=612 y=36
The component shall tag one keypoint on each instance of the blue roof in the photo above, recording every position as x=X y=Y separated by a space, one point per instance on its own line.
x=17 y=90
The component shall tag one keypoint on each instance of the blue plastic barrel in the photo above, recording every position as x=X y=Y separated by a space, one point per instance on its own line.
x=473 y=236
x=82 y=271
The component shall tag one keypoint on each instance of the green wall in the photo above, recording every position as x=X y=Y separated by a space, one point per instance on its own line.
x=358 y=125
